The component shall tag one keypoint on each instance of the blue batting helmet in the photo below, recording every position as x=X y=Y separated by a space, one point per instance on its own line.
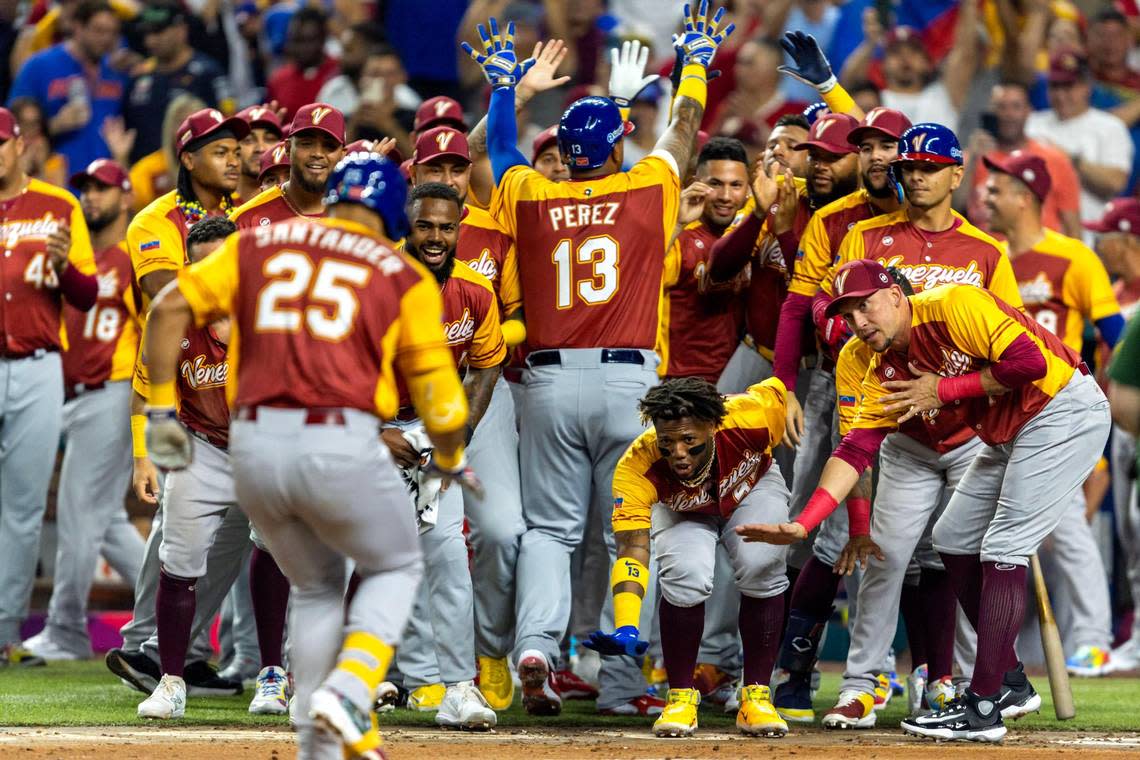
x=930 y=142
x=815 y=110
x=588 y=131
x=375 y=183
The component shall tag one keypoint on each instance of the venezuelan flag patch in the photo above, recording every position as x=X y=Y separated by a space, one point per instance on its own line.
x=847 y=401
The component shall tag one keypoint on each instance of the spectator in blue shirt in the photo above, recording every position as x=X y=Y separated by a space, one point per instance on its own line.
x=76 y=85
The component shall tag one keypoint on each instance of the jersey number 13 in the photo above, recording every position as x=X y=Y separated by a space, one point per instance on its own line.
x=601 y=253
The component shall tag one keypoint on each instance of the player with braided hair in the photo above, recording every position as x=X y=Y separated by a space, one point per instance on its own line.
x=703 y=468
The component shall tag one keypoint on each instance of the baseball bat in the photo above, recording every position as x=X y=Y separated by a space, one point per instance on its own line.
x=1051 y=643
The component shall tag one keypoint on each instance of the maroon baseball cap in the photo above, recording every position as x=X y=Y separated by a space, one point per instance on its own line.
x=321 y=117
x=1026 y=167
x=9 y=127
x=439 y=111
x=208 y=121
x=545 y=139
x=441 y=141
x=105 y=171
x=276 y=156
x=1068 y=66
x=858 y=279
x=880 y=119
x=905 y=35
x=262 y=116
x=829 y=132
x=1120 y=215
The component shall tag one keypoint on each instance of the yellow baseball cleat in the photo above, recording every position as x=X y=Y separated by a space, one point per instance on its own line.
x=427 y=698
x=495 y=682
x=882 y=691
x=679 y=718
x=757 y=715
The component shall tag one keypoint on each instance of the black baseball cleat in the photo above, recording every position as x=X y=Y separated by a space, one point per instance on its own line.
x=135 y=669
x=202 y=680
x=1017 y=697
x=967 y=718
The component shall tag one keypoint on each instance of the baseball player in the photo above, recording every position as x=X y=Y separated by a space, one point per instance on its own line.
x=439 y=647
x=960 y=349
x=316 y=143
x=48 y=259
x=274 y=166
x=930 y=245
x=1063 y=284
x=91 y=518
x=591 y=305
x=545 y=158
x=264 y=132
x=704 y=468
x=299 y=427
x=496 y=523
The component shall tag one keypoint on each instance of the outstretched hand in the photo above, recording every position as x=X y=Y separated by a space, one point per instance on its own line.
x=498 y=60
x=623 y=641
x=780 y=533
x=857 y=553
x=812 y=67
x=542 y=75
x=701 y=40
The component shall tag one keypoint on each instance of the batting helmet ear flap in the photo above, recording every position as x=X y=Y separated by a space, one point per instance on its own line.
x=899 y=194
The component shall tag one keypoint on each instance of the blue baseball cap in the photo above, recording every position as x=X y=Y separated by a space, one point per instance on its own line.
x=930 y=142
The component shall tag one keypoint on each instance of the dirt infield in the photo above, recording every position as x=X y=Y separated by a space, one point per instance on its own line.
x=518 y=744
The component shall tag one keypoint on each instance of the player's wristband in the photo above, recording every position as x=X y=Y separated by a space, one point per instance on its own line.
x=447 y=462
x=819 y=506
x=858 y=516
x=963 y=386
x=624 y=107
x=693 y=83
x=627 y=609
x=837 y=98
x=138 y=435
x=628 y=569
x=161 y=394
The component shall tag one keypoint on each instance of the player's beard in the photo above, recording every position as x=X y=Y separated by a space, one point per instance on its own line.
x=886 y=191
x=309 y=186
x=102 y=221
x=443 y=273
x=840 y=186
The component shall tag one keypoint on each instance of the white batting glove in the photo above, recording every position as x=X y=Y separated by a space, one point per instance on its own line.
x=627 y=69
x=167 y=442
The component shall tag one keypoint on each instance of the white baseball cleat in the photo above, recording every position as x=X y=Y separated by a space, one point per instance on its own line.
x=271 y=696
x=168 y=700
x=464 y=706
x=540 y=697
x=336 y=715
x=44 y=646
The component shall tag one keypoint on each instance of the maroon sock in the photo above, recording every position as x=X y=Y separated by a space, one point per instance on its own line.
x=761 y=625
x=1002 y=611
x=965 y=571
x=681 y=632
x=269 y=591
x=793 y=574
x=174 y=612
x=940 y=607
x=815 y=589
x=910 y=605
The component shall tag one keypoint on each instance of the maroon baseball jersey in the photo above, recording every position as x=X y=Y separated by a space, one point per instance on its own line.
x=31 y=309
x=265 y=208
x=104 y=340
x=202 y=373
x=704 y=328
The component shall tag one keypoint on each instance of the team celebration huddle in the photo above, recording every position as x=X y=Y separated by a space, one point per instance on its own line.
x=430 y=416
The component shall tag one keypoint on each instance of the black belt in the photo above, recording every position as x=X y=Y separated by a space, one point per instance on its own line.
x=213 y=440
x=78 y=389
x=333 y=415
x=35 y=353
x=609 y=356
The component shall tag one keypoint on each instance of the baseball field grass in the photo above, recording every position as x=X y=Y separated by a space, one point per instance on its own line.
x=86 y=694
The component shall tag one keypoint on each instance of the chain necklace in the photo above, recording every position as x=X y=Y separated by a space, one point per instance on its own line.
x=699 y=479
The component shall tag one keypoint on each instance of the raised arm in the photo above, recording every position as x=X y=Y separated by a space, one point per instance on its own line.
x=962 y=60
x=813 y=69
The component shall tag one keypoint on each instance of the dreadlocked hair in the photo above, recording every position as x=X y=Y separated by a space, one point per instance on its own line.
x=683 y=397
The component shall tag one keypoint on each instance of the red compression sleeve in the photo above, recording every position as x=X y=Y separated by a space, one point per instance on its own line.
x=819 y=506
x=789 y=242
x=80 y=290
x=789 y=339
x=1021 y=363
x=858 y=447
x=733 y=251
x=858 y=516
x=819 y=306
x=963 y=386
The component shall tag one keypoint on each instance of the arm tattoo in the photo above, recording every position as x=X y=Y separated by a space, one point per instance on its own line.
x=478 y=385
x=681 y=135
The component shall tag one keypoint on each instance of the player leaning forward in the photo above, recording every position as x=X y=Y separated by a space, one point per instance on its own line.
x=704 y=468
x=1032 y=402
x=327 y=314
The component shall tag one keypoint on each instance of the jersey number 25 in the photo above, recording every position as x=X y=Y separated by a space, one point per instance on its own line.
x=331 y=295
x=601 y=252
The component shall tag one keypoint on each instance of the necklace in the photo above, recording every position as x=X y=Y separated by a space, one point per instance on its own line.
x=699 y=479
x=194 y=212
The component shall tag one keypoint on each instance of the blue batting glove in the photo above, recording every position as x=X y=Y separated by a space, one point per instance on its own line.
x=622 y=641
x=701 y=39
x=498 y=60
x=812 y=67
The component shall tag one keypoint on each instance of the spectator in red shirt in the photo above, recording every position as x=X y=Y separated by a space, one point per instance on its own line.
x=297 y=83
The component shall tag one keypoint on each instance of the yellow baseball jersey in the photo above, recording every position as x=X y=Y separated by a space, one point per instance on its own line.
x=594 y=264
x=850 y=369
x=753 y=425
x=956 y=330
x=150 y=178
x=820 y=242
x=1062 y=284
x=156 y=237
x=962 y=255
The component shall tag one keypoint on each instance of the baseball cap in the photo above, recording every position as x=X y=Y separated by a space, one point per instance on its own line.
x=930 y=142
x=437 y=111
x=273 y=158
x=321 y=117
x=858 y=279
x=1068 y=66
x=156 y=15
x=544 y=140
x=9 y=127
x=1026 y=167
x=905 y=35
x=1120 y=215
x=105 y=171
x=887 y=121
x=438 y=142
x=829 y=132
x=202 y=124
x=261 y=116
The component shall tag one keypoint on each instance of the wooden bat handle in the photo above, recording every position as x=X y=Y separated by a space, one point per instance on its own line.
x=1059 y=686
